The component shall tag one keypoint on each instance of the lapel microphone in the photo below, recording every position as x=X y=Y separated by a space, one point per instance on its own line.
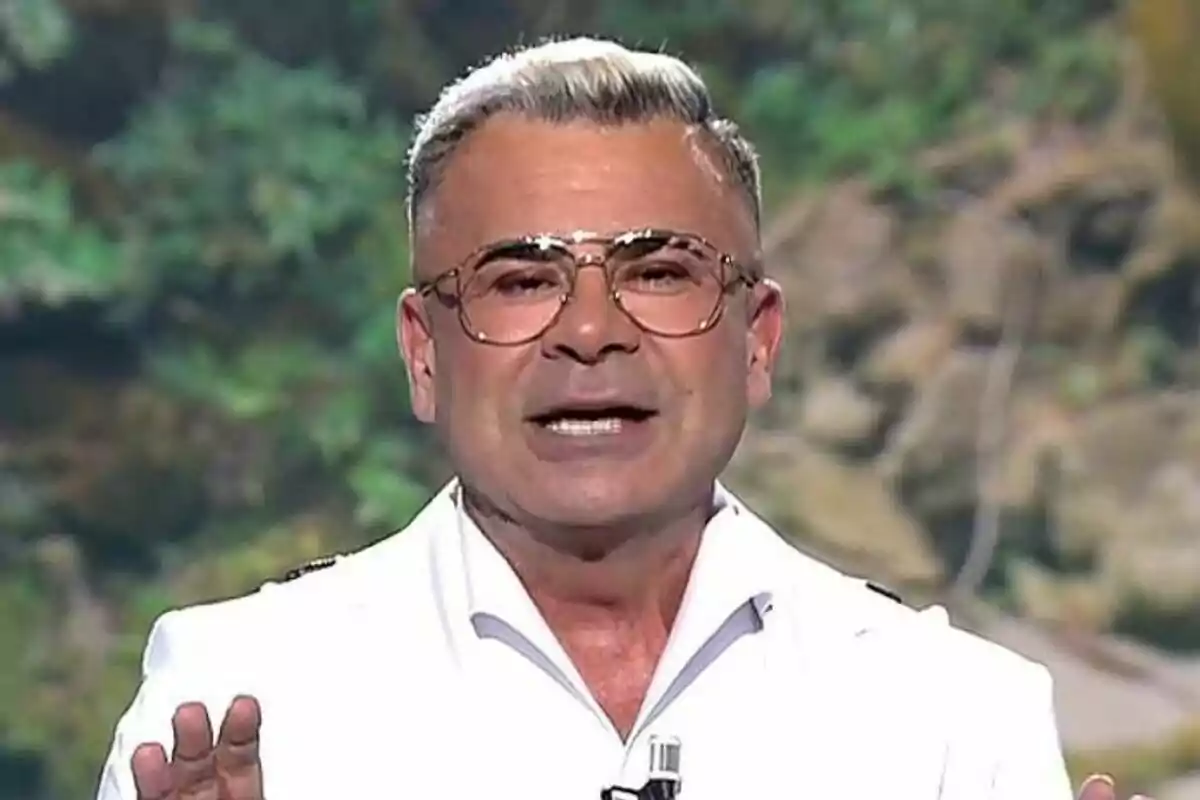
x=664 y=780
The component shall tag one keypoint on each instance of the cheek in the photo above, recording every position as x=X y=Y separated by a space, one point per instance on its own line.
x=475 y=390
x=712 y=371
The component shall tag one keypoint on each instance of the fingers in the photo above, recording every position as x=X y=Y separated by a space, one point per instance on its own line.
x=198 y=770
x=151 y=772
x=237 y=751
x=1102 y=787
x=191 y=771
x=1098 y=787
x=193 y=763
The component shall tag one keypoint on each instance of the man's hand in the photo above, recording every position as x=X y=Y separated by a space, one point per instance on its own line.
x=1102 y=787
x=198 y=770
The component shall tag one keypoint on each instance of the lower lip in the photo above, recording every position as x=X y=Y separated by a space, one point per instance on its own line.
x=620 y=439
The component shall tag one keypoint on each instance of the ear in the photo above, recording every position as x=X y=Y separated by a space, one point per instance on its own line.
x=763 y=338
x=415 y=339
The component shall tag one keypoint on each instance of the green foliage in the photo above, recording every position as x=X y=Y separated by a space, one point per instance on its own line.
x=1074 y=76
x=47 y=254
x=245 y=172
x=385 y=497
x=33 y=34
x=831 y=87
x=25 y=619
x=248 y=181
x=1156 y=353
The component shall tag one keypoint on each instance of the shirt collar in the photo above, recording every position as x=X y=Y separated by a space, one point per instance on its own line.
x=741 y=560
x=737 y=563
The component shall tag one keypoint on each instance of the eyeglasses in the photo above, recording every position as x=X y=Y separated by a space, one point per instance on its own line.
x=669 y=284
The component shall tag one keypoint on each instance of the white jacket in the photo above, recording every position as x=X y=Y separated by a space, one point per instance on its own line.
x=419 y=667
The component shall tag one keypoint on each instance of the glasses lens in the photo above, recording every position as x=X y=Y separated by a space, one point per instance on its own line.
x=670 y=284
x=513 y=292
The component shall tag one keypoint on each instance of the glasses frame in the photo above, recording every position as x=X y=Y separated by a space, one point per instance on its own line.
x=731 y=273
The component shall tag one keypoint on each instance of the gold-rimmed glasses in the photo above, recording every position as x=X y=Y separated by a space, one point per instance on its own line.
x=668 y=283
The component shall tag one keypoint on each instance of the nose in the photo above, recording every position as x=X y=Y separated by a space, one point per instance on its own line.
x=591 y=325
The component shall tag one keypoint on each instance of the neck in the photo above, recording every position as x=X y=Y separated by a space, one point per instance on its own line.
x=629 y=574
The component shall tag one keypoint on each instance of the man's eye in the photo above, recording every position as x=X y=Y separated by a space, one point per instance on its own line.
x=525 y=282
x=657 y=276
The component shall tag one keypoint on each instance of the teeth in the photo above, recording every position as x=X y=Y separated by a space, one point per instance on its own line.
x=586 y=427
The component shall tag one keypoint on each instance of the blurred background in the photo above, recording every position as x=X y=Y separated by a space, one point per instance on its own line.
x=985 y=213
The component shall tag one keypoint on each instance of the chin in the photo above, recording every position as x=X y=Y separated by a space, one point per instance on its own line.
x=596 y=500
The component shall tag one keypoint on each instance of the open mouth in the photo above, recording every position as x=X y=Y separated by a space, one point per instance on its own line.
x=607 y=421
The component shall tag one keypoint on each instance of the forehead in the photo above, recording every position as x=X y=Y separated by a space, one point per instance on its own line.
x=515 y=176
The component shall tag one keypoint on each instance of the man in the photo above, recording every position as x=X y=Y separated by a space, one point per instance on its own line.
x=589 y=328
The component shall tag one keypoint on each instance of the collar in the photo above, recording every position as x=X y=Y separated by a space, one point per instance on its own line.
x=729 y=594
x=737 y=563
x=741 y=560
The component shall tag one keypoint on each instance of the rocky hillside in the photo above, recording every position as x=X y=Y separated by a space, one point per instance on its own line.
x=995 y=372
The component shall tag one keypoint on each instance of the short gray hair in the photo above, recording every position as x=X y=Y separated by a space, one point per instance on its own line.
x=571 y=79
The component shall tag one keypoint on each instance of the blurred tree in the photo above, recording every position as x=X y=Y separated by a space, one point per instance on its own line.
x=34 y=34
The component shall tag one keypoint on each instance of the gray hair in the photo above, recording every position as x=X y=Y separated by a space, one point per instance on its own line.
x=572 y=79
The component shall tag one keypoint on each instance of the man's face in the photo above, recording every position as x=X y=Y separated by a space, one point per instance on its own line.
x=505 y=412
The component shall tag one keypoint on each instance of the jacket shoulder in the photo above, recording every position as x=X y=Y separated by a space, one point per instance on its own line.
x=316 y=565
x=876 y=616
x=992 y=659
x=320 y=587
x=929 y=640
